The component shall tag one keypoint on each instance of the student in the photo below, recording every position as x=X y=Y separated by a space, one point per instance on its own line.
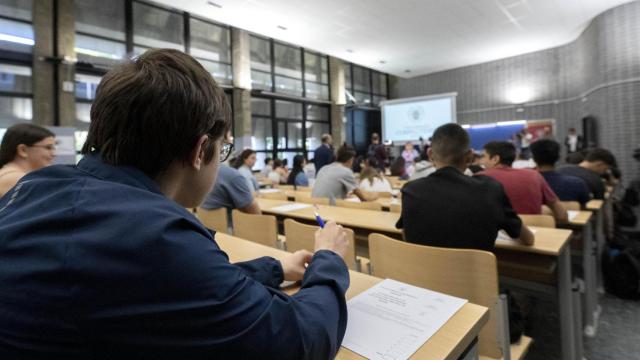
x=568 y=188
x=323 y=155
x=24 y=148
x=423 y=168
x=279 y=174
x=433 y=207
x=398 y=168
x=597 y=162
x=244 y=163
x=526 y=188
x=268 y=166
x=310 y=169
x=336 y=180
x=372 y=179
x=409 y=154
x=297 y=177
x=103 y=260
x=377 y=150
x=476 y=166
x=573 y=141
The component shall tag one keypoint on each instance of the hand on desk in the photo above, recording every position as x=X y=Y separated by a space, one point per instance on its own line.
x=332 y=237
x=293 y=266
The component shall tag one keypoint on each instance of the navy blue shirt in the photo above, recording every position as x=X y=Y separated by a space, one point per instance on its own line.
x=97 y=263
x=322 y=156
x=566 y=187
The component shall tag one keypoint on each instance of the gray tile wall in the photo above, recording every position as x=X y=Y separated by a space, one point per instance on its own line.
x=597 y=74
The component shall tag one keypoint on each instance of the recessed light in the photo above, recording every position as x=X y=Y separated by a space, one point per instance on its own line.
x=214 y=4
x=407 y=71
x=350 y=51
x=282 y=27
x=382 y=62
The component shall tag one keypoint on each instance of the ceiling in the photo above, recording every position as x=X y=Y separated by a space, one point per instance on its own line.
x=408 y=38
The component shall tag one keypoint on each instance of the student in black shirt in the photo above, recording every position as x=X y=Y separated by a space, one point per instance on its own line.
x=596 y=164
x=449 y=209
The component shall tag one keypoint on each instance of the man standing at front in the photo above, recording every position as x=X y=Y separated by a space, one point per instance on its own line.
x=323 y=155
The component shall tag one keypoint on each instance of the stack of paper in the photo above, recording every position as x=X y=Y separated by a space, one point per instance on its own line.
x=290 y=207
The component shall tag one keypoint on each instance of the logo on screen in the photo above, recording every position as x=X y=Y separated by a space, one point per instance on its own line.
x=416 y=113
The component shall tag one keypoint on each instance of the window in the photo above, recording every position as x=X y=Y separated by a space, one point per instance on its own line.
x=365 y=86
x=16 y=30
x=100 y=32
x=86 y=85
x=316 y=76
x=15 y=94
x=210 y=44
x=260 y=64
x=154 y=27
x=288 y=69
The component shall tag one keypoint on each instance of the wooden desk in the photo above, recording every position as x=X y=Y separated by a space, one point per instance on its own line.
x=448 y=343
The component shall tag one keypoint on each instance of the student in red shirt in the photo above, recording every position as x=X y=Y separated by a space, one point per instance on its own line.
x=526 y=188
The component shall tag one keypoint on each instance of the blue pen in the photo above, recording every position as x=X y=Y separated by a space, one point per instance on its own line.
x=318 y=218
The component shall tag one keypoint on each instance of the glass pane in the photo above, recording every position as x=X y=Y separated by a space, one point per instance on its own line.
x=209 y=41
x=361 y=81
x=316 y=68
x=86 y=86
x=16 y=36
x=260 y=106
x=260 y=156
x=377 y=99
x=261 y=80
x=221 y=72
x=288 y=86
x=99 y=17
x=17 y=9
x=347 y=77
x=99 y=52
x=287 y=61
x=81 y=138
x=288 y=155
x=157 y=28
x=294 y=135
x=288 y=110
x=83 y=114
x=14 y=109
x=317 y=91
x=362 y=98
x=260 y=54
x=314 y=134
x=14 y=78
x=138 y=50
x=262 y=137
x=315 y=112
x=282 y=135
x=379 y=83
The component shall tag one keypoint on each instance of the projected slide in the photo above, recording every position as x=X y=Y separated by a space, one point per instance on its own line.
x=410 y=119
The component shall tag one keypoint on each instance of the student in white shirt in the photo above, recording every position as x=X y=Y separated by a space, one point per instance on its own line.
x=371 y=179
x=244 y=163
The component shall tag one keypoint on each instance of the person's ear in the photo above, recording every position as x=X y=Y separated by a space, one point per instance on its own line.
x=196 y=158
x=430 y=154
x=21 y=151
x=495 y=159
x=469 y=157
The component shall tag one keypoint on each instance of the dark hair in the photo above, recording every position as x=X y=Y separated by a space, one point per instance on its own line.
x=450 y=144
x=27 y=134
x=504 y=149
x=397 y=167
x=345 y=153
x=277 y=163
x=574 y=158
x=244 y=155
x=375 y=137
x=600 y=154
x=266 y=160
x=152 y=110
x=545 y=152
x=370 y=171
x=356 y=163
x=298 y=162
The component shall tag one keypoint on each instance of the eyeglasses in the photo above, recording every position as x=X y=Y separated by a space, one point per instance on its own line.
x=49 y=147
x=225 y=151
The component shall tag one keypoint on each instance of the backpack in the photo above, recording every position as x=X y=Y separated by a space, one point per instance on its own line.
x=621 y=271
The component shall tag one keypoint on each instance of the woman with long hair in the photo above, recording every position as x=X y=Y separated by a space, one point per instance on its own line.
x=24 y=148
x=371 y=179
x=297 y=177
x=244 y=163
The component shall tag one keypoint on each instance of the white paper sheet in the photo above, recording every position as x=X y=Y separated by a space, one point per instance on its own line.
x=353 y=199
x=573 y=214
x=391 y=320
x=268 y=191
x=290 y=207
x=506 y=239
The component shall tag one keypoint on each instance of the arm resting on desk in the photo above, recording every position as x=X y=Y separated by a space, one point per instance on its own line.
x=526 y=236
x=365 y=195
x=265 y=270
x=559 y=212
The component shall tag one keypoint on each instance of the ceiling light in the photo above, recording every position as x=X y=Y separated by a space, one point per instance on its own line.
x=214 y=4
x=507 y=123
x=350 y=51
x=382 y=62
x=282 y=27
x=407 y=71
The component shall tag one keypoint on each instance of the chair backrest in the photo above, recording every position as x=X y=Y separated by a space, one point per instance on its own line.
x=465 y=273
x=302 y=237
x=546 y=221
x=366 y=205
x=310 y=200
x=395 y=208
x=307 y=189
x=217 y=219
x=262 y=229
x=571 y=205
x=280 y=195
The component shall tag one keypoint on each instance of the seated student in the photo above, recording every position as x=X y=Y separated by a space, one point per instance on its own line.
x=372 y=179
x=102 y=260
x=595 y=164
x=568 y=188
x=336 y=180
x=268 y=166
x=423 y=168
x=279 y=174
x=432 y=207
x=24 y=148
x=297 y=177
x=398 y=168
x=244 y=163
x=476 y=166
x=310 y=169
x=526 y=188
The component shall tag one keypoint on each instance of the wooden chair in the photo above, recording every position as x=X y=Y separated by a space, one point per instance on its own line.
x=280 y=195
x=395 y=208
x=365 y=205
x=465 y=273
x=217 y=219
x=571 y=205
x=538 y=220
x=310 y=200
x=262 y=229
x=302 y=237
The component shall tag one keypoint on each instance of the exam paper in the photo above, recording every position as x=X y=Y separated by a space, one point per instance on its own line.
x=269 y=191
x=392 y=320
x=506 y=239
x=290 y=207
x=572 y=214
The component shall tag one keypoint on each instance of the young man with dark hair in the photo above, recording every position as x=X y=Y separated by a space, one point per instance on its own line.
x=596 y=163
x=336 y=180
x=102 y=260
x=546 y=153
x=526 y=188
x=433 y=206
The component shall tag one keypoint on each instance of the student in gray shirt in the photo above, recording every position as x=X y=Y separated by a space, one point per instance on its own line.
x=232 y=192
x=336 y=180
